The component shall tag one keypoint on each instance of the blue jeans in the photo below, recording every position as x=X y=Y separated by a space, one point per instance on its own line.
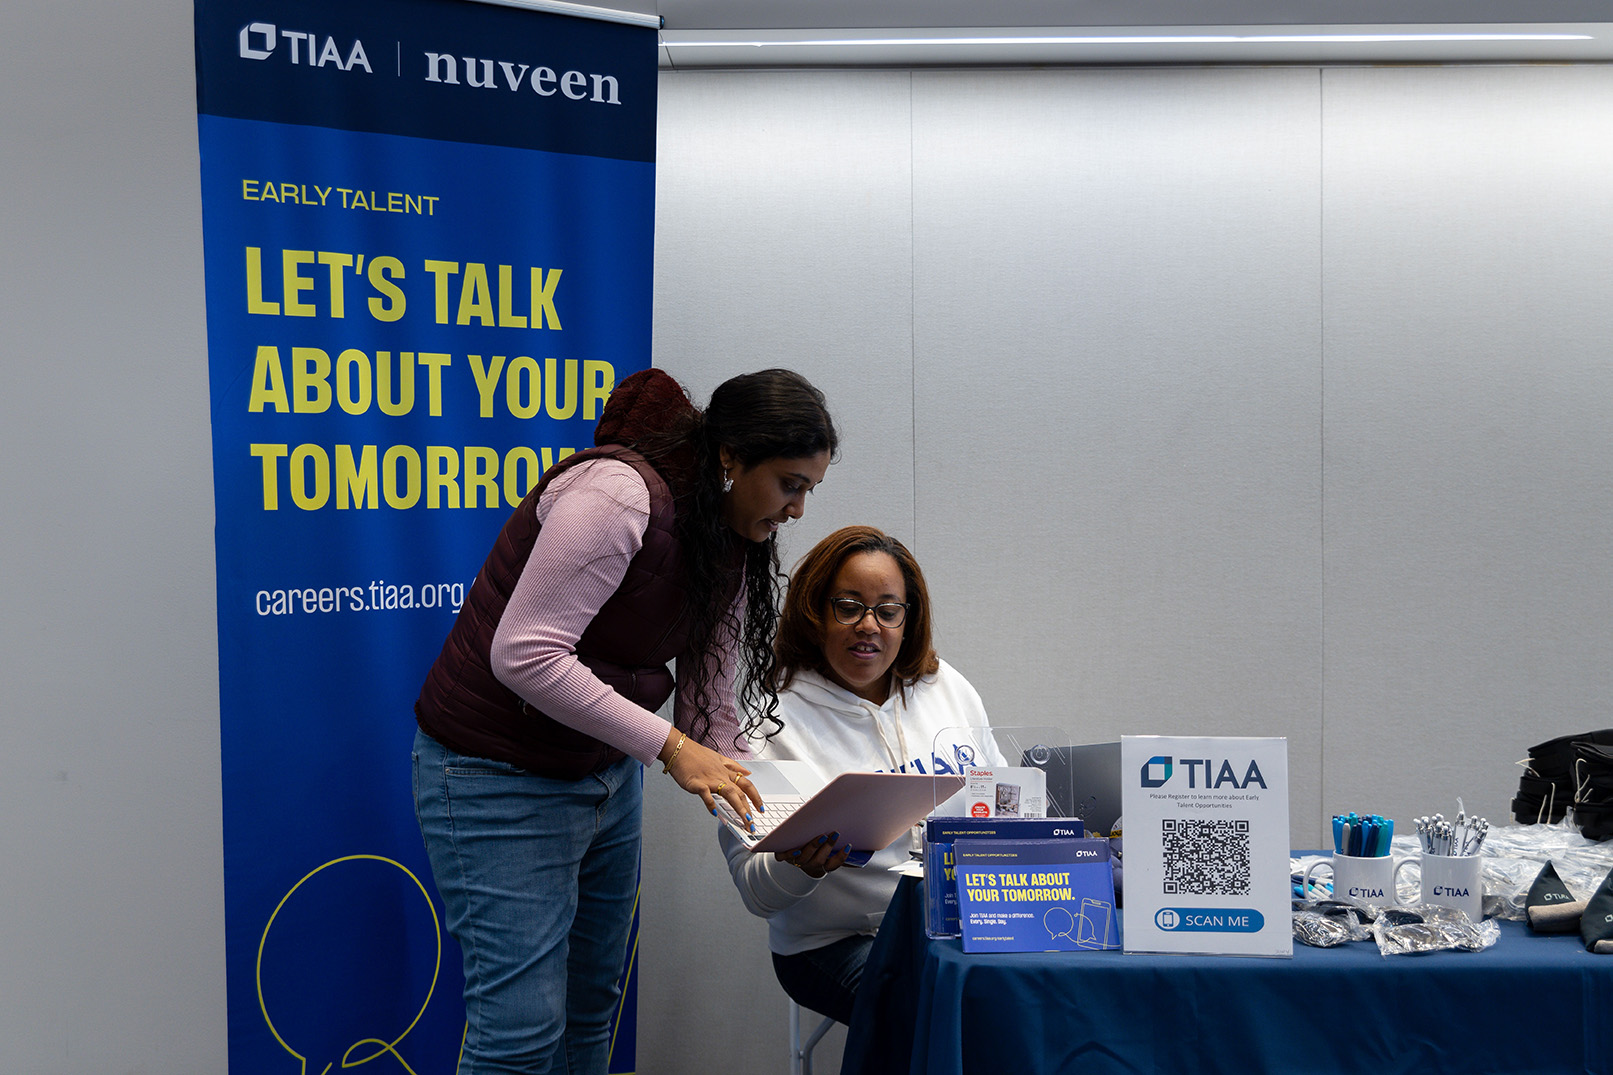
x=538 y=879
x=825 y=979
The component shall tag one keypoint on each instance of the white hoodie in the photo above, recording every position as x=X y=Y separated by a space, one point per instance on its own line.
x=835 y=731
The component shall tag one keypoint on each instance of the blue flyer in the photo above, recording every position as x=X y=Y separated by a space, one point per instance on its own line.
x=940 y=889
x=1054 y=895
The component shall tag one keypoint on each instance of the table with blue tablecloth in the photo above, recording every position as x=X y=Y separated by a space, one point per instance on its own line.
x=1529 y=1005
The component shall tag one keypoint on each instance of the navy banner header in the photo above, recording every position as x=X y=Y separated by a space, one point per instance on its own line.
x=505 y=77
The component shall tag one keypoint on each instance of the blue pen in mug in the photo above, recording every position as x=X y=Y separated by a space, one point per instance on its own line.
x=1362 y=870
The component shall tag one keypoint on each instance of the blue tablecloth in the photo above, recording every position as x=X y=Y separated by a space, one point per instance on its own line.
x=1530 y=1005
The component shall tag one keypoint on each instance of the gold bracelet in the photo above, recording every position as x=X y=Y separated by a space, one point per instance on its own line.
x=666 y=766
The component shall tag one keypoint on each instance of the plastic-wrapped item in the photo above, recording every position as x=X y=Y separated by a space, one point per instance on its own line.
x=1514 y=855
x=1329 y=923
x=1431 y=928
x=1321 y=931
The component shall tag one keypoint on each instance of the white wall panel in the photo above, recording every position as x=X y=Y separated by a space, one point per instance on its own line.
x=1468 y=462
x=1118 y=399
x=783 y=238
x=112 y=938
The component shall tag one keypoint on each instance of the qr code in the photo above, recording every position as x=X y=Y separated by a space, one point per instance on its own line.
x=1206 y=858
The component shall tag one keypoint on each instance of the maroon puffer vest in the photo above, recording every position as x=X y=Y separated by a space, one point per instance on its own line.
x=627 y=645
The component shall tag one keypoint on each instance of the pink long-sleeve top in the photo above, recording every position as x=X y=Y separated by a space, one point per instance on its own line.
x=593 y=520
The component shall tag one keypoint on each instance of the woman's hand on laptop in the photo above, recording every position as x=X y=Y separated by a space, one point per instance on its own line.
x=817 y=857
x=701 y=771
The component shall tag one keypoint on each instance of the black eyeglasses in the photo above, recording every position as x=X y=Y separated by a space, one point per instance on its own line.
x=850 y=612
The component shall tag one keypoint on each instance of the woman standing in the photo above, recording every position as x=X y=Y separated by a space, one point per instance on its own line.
x=653 y=546
x=860 y=688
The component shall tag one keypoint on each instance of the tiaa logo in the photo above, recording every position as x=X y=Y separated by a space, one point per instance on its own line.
x=1158 y=769
x=258 y=41
x=1158 y=764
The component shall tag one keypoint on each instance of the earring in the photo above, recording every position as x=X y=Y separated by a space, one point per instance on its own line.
x=727 y=482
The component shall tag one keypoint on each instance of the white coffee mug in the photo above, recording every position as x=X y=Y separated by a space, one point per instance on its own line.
x=1367 y=881
x=1453 y=881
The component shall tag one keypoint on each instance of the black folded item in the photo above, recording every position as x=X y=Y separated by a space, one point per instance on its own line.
x=1541 y=801
x=1593 y=764
x=1536 y=787
x=1551 y=908
x=1595 y=823
x=1546 y=789
x=1571 y=772
x=1593 y=788
x=1557 y=755
x=1596 y=924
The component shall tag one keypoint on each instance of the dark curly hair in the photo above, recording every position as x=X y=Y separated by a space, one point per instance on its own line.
x=771 y=414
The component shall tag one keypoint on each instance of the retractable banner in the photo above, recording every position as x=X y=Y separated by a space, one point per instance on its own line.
x=428 y=229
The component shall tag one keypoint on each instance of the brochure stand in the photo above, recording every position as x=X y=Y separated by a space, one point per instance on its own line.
x=1025 y=783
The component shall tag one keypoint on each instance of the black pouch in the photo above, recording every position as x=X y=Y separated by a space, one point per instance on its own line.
x=1546 y=789
x=1540 y=800
x=1551 y=908
x=1554 y=756
x=1593 y=789
x=1595 y=822
x=1596 y=924
x=1571 y=772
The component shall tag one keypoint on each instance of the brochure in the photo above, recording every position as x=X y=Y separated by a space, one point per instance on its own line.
x=1053 y=895
x=940 y=892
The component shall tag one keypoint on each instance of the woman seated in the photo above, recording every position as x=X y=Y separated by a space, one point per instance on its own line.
x=860 y=688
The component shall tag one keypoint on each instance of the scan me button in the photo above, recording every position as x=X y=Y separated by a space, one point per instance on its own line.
x=1209 y=919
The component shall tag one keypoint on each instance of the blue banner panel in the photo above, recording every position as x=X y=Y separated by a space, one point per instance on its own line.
x=452 y=70
x=419 y=294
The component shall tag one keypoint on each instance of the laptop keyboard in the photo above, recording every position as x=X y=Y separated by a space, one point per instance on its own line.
x=779 y=807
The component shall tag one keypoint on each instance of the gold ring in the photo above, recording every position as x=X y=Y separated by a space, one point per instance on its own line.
x=724 y=784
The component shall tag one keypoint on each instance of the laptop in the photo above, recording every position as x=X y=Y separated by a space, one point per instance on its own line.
x=868 y=810
x=1082 y=781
